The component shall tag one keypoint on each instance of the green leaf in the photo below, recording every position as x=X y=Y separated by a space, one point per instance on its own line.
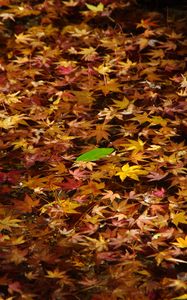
x=95 y=154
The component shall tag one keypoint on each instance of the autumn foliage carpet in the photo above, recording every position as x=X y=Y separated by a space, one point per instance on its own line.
x=74 y=76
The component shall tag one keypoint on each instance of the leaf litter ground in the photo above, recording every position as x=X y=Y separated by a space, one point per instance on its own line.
x=76 y=76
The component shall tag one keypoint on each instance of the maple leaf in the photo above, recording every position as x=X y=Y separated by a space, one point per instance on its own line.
x=100 y=132
x=14 y=287
x=71 y=3
x=17 y=240
x=85 y=165
x=141 y=118
x=92 y=188
x=182 y=93
x=71 y=184
x=169 y=45
x=121 y=104
x=62 y=70
x=84 y=97
x=109 y=114
x=89 y=54
x=156 y=175
x=9 y=222
x=108 y=194
x=126 y=66
x=136 y=146
x=100 y=244
x=157 y=53
x=17 y=256
x=78 y=174
x=106 y=256
x=183 y=83
x=143 y=43
x=95 y=9
x=135 y=157
x=99 y=210
x=109 y=43
x=89 y=282
x=178 y=284
x=175 y=36
x=12 y=121
x=146 y=23
x=159 y=193
x=27 y=205
x=157 y=120
x=10 y=99
x=179 y=218
x=110 y=85
x=163 y=255
x=60 y=207
x=103 y=69
x=21 y=143
x=145 y=223
x=131 y=172
x=23 y=38
x=59 y=168
x=6 y=16
x=36 y=182
x=181 y=243
x=56 y=273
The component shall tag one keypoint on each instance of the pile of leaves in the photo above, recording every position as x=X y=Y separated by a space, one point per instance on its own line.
x=92 y=151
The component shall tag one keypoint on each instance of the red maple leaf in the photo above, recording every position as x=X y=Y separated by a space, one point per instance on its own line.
x=71 y=184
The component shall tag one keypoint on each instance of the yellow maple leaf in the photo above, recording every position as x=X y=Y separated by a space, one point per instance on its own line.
x=99 y=244
x=10 y=98
x=181 y=243
x=131 y=172
x=121 y=104
x=55 y=274
x=95 y=9
x=69 y=207
x=21 y=143
x=23 y=38
x=141 y=118
x=110 y=85
x=12 y=121
x=84 y=97
x=103 y=69
x=157 y=120
x=127 y=65
x=88 y=53
x=9 y=222
x=183 y=83
x=136 y=146
x=157 y=53
x=143 y=43
x=179 y=218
